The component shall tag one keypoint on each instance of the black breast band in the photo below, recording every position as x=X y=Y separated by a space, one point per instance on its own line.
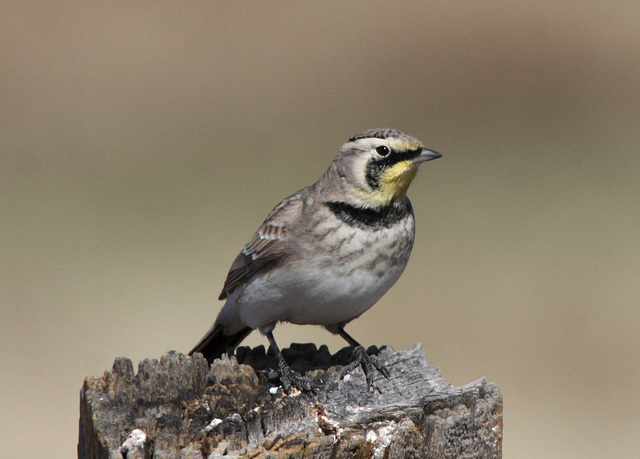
x=371 y=218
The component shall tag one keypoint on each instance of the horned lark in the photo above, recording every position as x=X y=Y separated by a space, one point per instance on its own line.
x=327 y=253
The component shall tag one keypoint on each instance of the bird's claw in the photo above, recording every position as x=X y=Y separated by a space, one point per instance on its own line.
x=290 y=379
x=368 y=364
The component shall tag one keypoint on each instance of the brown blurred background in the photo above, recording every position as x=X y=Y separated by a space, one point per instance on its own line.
x=141 y=145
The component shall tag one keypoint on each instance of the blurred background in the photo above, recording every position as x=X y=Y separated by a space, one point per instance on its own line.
x=142 y=144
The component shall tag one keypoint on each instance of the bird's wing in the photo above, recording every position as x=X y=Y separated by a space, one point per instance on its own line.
x=266 y=247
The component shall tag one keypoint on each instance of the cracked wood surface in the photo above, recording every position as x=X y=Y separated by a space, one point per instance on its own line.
x=180 y=407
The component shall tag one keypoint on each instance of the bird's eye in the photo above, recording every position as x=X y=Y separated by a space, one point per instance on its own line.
x=382 y=150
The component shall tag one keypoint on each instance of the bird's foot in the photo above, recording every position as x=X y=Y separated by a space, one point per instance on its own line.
x=368 y=364
x=290 y=378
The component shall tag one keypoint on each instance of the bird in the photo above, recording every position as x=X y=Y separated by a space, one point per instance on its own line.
x=327 y=253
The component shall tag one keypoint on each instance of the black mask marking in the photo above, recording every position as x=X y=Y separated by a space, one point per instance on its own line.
x=376 y=166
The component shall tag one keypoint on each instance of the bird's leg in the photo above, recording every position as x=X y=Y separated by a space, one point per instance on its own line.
x=289 y=377
x=361 y=358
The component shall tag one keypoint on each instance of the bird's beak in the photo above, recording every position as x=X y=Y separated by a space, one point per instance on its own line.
x=426 y=155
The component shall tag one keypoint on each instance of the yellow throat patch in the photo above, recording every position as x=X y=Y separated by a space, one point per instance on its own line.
x=393 y=185
x=395 y=181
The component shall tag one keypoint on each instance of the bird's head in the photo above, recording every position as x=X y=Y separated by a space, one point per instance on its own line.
x=378 y=165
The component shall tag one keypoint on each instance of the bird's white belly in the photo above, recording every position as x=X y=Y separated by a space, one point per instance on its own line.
x=326 y=288
x=337 y=298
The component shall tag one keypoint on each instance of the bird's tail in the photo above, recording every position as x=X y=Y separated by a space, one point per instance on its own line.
x=216 y=342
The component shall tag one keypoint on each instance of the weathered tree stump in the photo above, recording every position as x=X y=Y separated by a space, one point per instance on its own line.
x=179 y=407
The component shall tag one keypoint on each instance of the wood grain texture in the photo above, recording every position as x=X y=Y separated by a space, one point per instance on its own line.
x=181 y=407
